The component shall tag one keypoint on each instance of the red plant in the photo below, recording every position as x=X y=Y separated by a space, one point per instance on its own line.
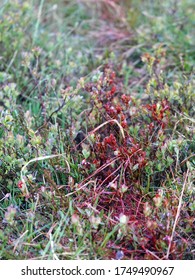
x=111 y=104
x=120 y=159
x=20 y=184
x=159 y=112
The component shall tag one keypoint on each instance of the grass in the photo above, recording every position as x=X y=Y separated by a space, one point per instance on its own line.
x=97 y=130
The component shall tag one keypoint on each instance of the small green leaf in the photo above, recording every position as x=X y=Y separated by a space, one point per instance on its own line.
x=169 y=161
x=1 y=132
x=86 y=153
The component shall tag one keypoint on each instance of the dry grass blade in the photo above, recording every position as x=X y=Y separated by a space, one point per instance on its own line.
x=25 y=189
x=177 y=215
x=110 y=121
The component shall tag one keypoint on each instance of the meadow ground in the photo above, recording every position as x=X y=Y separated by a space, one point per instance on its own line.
x=97 y=134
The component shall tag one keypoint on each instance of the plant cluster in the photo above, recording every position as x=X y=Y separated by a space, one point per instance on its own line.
x=132 y=167
x=97 y=130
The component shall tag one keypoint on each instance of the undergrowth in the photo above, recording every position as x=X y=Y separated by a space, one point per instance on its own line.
x=97 y=137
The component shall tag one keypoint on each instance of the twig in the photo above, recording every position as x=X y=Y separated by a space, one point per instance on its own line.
x=57 y=110
x=186 y=159
x=49 y=118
